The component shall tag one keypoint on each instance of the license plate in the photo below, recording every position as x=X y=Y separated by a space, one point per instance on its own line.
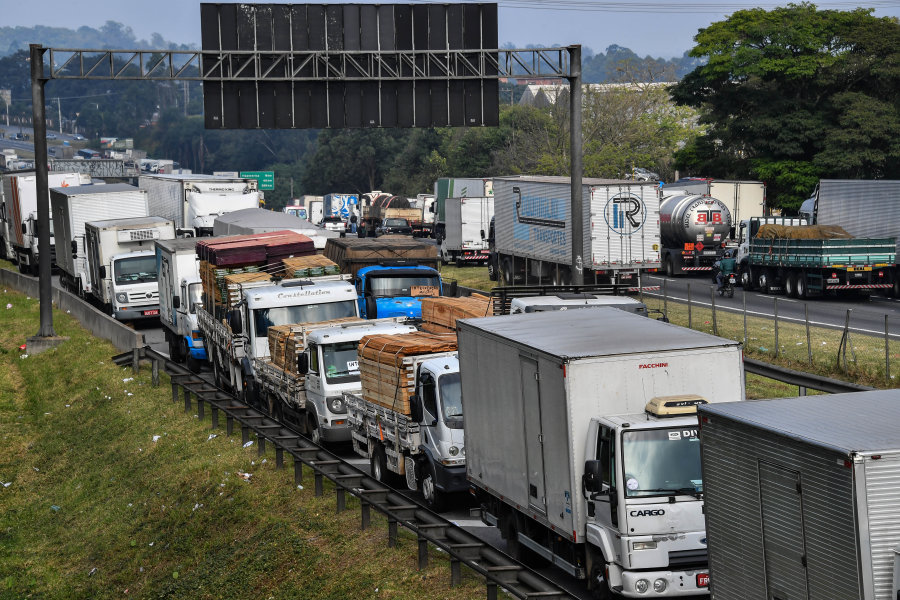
x=703 y=580
x=732 y=279
x=151 y=313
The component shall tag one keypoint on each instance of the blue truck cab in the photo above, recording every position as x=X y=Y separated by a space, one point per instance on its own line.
x=395 y=290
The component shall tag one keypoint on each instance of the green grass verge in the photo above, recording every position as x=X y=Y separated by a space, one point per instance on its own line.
x=94 y=505
x=472 y=277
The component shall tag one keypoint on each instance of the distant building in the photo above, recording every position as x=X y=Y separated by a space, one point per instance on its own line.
x=543 y=95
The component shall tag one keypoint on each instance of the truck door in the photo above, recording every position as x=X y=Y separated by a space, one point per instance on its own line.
x=534 y=437
x=784 y=541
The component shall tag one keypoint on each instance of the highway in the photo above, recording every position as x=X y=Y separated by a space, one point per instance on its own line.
x=867 y=315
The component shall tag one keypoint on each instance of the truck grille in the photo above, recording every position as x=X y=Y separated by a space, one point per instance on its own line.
x=143 y=297
x=688 y=558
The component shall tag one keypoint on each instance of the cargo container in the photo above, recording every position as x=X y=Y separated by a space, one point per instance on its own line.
x=468 y=221
x=803 y=497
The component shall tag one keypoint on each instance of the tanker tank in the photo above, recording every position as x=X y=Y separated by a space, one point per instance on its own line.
x=693 y=230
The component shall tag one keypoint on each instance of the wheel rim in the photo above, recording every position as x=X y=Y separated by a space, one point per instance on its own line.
x=789 y=286
x=745 y=279
x=428 y=489
x=376 y=468
x=314 y=434
x=801 y=287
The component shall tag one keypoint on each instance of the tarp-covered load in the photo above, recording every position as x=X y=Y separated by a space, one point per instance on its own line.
x=802 y=232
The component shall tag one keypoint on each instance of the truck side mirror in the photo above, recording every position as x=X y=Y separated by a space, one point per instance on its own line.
x=592 y=478
x=371 y=307
x=102 y=271
x=482 y=234
x=415 y=408
x=176 y=302
x=303 y=363
x=431 y=209
x=74 y=249
x=234 y=320
x=24 y=229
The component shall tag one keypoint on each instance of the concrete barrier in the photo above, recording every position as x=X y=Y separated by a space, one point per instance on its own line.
x=122 y=337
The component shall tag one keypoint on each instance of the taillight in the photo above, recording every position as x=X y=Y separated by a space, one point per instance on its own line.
x=834 y=275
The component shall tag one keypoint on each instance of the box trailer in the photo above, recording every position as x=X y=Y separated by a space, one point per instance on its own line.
x=533 y=230
x=71 y=208
x=803 y=497
x=466 y=230
x=581 y=441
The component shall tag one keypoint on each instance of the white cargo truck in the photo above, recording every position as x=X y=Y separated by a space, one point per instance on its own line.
x=122 y=265
x=803 y=496
x=194 y=201
x=18 y=212
x=233 y=342
x=71 y=208
x=425 y=447
x=582 y=442
x=533 y=230
x=312 y=397
x=468 y=221
x=180 y=294
x=574 y=300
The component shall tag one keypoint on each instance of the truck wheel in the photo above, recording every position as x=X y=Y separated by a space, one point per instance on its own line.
x=598 y=584
x=433 y=498
x=174 y=349
x=506 y=272
x=378 y=465
x=790 y=285
x=492 y=269
x=802 y=290
x=764 y=281
x=315 y=434
x=746 y=278
x=670 y=267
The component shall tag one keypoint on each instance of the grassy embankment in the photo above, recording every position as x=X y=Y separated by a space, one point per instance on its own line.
x=868 y=368
x=94 y=505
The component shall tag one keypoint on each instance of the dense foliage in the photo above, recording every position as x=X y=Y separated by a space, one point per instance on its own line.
x=794 y=94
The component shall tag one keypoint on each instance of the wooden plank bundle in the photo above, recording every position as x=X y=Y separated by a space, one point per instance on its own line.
x=287 y=342
x=308 y=266
x=255 y=249
x=352 y=254
x=439 y=314
x=387 y=365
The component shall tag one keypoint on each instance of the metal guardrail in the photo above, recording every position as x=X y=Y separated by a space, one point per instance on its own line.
x=463 y=548
x=801 y=379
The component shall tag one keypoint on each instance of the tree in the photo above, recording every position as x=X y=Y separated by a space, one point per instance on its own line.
x=796 y=93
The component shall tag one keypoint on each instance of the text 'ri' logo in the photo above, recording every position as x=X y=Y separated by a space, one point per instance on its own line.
x=624 y=214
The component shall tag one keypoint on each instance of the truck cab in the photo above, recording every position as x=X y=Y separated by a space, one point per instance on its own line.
x=132 y=283
x=27 y=254
x=395 y=291
x=185 y=319
x=330 y=364
x=644 y=492
x=440 y=466
x=748 y=229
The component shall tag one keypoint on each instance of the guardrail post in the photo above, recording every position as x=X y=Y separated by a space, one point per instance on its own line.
x=690 y=316
x=455 y=571
x=245 y=434
x=365 y=517
x=776 y=326
x=155 y=374
x=279 y=457
x=491 y=589
x=392 y=532
x=215 y=417
x=298 y=471
x=174 y=393
x=665 y=297
x=808 y=343
x=261 y=443
x=229 y=425
x=341 y=500
x=744 y=298
x=320 y=485
x=423 y=552
x=187 y=400
x=801 y=390
x=135 y=360
x=201 y=409
x=887 y=352
x=712 y=300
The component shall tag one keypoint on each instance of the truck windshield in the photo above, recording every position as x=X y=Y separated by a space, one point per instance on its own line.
x=136 y=269
x=195 y=296
x=451 y=400
x=662 y=462
x=304 y=313
x=340 y=362
x=387 y=286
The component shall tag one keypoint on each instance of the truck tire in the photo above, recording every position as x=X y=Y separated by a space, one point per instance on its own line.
x=764 y=281
x=746 y=277
x=174 y=348
x=492 y=269
x=378 y=465
x=790 y=285
x=433 y=497
x=312 y=428
x=670 y=267
x=507 y=277
x=802 y=288
x=600 y=589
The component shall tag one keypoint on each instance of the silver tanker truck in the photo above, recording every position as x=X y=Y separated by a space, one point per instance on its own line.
x=693 y=230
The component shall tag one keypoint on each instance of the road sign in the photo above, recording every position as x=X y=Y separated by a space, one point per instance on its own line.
x=265 y=179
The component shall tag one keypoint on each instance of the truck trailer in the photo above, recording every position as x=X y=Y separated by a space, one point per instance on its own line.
x=694 y=231
x=455 y=187
x=468 y=222
x=18 y=213
x=803 y=497
x=533 y=230
x=73 y=207
x=582 y=444
x=122 y=265
x=194 y=201
x=744 y=199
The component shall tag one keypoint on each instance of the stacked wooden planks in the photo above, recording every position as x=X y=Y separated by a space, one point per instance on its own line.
x=387 y=365
x=352 y=254
x=439 y=314
x=287 y=342
x=227 y=263
x=308 y=266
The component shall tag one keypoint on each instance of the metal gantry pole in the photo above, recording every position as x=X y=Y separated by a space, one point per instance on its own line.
x=576 y=207
x=43 y=197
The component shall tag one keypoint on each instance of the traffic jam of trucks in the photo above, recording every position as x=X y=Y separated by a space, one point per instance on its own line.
x=594 y=440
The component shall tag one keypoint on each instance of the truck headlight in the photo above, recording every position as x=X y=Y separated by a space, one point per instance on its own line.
x=122 y=297
x=643 y=545
x=660 y=585
x=336 y=405
x=454 y=450
x=641 y=586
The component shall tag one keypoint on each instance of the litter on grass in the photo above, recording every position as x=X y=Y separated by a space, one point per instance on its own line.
x=248 y=444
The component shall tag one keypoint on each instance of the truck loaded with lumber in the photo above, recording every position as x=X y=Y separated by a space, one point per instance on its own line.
x=251 y=283
x=384 y=206
x=811 y=260
x=310 y=366
x=391 y=275
x=408 y=420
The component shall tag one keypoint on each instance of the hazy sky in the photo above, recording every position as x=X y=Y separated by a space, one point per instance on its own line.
x=661 y=28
